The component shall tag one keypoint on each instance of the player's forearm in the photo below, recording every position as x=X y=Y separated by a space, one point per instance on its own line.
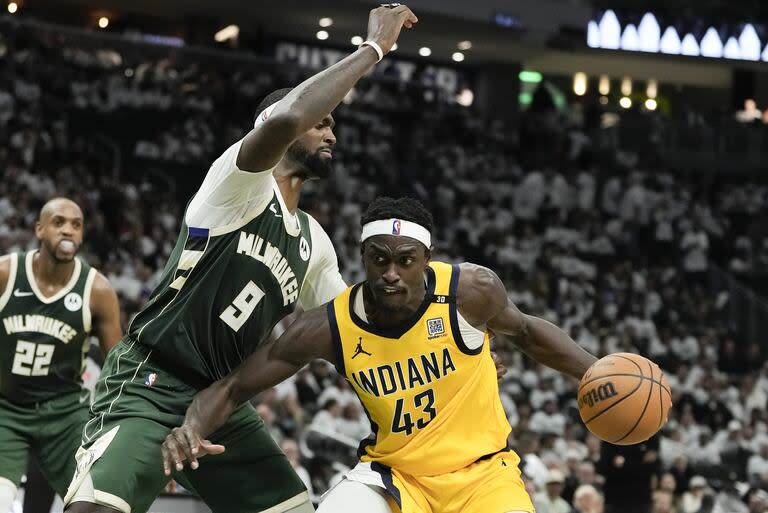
x=211 y=408
x=551 y=346
x=309 y=102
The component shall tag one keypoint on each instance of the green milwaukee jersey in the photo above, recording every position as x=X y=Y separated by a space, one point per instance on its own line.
x=222 y=292
x=43 y=340
x=242 y=262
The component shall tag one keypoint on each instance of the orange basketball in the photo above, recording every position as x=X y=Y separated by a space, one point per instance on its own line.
x=624 y=399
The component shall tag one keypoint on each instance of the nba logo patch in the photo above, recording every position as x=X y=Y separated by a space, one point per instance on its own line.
x=151 y=378
x=396 y=227
x=435 y=327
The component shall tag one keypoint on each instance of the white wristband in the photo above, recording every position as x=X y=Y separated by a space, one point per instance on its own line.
x=376 y=48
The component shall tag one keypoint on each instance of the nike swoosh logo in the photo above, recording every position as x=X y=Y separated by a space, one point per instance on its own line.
x=274 y=210
x=18 y=293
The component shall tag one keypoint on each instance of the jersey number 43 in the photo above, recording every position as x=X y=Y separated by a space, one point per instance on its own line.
x=403 y=422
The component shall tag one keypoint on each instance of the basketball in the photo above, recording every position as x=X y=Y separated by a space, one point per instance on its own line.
x=624 y=399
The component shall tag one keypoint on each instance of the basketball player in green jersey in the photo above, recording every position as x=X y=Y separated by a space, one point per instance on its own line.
x=50 y=302
x=245 y=258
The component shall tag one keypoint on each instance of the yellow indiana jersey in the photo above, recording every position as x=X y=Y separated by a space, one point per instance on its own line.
x=433 y=402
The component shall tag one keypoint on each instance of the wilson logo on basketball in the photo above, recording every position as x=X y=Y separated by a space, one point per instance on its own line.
x=597 y=394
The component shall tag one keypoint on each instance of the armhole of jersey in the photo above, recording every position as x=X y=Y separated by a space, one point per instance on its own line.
x=11 y=280
x=453 y=308
x=336 y=339
x=87 y=318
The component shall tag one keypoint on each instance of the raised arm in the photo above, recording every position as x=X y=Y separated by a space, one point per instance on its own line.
x=105 y=312
x=308 y=338
x=316 y=97
x=482 y=300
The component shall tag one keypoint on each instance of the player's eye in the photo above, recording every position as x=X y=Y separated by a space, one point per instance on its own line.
x=379 y=259
x=406 y=260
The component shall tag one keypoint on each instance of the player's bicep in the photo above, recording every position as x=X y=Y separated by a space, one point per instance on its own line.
x=266 y=143
x=106 y=314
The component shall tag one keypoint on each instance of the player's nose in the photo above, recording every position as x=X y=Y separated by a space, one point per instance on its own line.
x=391 y=275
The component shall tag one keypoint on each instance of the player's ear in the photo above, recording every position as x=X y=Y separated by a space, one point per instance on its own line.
x=39 y=230
x=427 y=256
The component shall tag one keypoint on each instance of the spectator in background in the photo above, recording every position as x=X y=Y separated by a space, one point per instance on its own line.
x=586 y=499
x=628 y=470
x=550 y=501
x=691 y=501
x=291 y=450
x=663 y=502
x=757 y=466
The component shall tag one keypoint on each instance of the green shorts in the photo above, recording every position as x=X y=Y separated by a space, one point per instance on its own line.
x=120 y=463
x=49 y=431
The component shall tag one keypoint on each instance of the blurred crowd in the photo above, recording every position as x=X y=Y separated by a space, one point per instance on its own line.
x=617 y=255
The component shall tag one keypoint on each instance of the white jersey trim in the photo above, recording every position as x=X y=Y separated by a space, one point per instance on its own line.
x=322 y=281
x=473 y=337
x=14 y=257
x=87 y=318
x=60 y=294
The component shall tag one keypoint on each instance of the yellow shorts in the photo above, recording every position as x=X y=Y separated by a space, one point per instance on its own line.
x=491 y=485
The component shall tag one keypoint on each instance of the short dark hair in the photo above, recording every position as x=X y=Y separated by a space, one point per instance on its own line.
x=407 y=209
x=271 y=99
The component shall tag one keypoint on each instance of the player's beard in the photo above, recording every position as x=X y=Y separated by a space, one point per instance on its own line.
x=311 y=165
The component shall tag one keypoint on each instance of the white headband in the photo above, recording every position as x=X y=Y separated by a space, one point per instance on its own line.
x=397 y=227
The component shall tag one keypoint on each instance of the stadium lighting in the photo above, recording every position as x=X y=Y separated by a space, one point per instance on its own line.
x=356 y=40
x=630 y=39
x=652 y=89
x=650 y=104
x=580 y=84
x=325 y=22
x=228 y=32
x=603 y=100
x=322 y=35
x=625 y=102
x=103 y=22
x=626 y=86
x=457 y=56
x=425 y=51
x=604 y=86
x=464 y=45
x=13 y=7
x=465 y=97
x=530 y=77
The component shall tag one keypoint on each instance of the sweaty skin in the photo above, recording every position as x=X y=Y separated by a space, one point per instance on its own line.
x=395 y=287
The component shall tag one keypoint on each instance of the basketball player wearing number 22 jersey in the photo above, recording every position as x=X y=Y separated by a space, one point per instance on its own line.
x=412 y=340
x=51 y=301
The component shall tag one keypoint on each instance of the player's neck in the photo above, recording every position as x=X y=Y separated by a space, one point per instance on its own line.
x=49 y=273
x=290 y=188
x=388 y=318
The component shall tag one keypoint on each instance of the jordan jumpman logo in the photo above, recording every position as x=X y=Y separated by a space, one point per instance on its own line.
x=360 y=349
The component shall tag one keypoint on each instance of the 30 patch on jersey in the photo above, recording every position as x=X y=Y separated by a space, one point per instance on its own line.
x=435 y=327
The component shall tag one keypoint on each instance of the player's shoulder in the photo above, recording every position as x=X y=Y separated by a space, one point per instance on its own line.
x=6 y=266
x=101 y=282
x=478 y=277
x=317 y=232
x=479 y=288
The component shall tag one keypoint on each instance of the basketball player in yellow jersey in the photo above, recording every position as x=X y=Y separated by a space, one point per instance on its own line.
x=412 y=340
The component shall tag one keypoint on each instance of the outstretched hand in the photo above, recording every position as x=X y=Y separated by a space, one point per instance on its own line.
x=385 y=24
x=185 y=443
